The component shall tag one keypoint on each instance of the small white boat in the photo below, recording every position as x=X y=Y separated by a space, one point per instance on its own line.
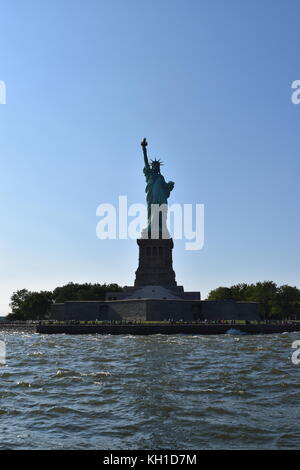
x=233 y=331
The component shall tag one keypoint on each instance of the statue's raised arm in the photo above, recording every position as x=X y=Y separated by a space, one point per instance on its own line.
x=144 y=144
x=157 y=192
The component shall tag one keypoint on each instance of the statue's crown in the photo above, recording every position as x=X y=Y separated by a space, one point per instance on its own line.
x=160 y=162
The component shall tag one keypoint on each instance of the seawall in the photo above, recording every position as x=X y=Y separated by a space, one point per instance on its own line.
x=146 y=329
x=140 y=329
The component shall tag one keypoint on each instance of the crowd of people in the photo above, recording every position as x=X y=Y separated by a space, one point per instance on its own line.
x=169 y=321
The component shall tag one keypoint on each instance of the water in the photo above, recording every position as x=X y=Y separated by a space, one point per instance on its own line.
x=149 y=392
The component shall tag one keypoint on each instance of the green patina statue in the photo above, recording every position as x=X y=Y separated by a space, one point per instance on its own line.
x=157 y=192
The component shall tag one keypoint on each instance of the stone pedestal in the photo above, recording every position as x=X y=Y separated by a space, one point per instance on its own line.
x=155 y=263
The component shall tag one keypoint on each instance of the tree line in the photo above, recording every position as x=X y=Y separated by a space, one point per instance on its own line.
x=27 y=305
x=274 y=301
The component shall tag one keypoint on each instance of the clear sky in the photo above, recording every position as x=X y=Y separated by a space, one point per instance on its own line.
x=207 y=82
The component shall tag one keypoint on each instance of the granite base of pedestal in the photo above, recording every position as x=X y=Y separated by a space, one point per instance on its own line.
x=155 y=263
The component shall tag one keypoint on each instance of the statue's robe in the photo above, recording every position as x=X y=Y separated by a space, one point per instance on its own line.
x=157 y=192
x=157 y=189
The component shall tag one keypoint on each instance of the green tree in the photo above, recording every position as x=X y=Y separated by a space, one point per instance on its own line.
x=265 y=294
x=221 y=293
x=287 y=301
x=242 y=291
x=72 y=291
x=26 y=305
x=17 y=300
x=274 y=301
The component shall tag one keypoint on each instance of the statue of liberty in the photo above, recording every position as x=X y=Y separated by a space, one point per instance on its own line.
x=157 y=194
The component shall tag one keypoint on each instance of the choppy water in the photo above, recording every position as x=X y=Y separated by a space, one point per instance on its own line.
x=154 y=392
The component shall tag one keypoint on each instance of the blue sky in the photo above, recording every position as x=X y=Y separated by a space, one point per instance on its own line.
x=207 y=82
